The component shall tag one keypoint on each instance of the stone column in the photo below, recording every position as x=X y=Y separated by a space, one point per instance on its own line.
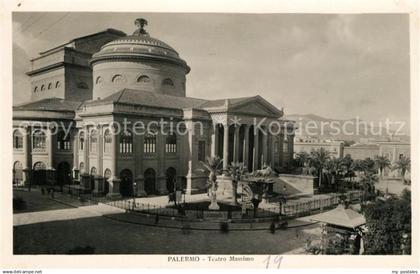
x=114 y=182
x=246 y=145
x=281 y=152
x=27 y=146
x=75 y=155
x=192 y=156
x=50 y=148
x=215 y=141
x=225 y=147
x=256 y=150
x=236 y=144
x=138 y=156
x=161 y=178
x=264 y=147
x=87 y=149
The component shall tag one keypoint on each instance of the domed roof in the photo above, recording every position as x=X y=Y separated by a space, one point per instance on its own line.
x=139 y=45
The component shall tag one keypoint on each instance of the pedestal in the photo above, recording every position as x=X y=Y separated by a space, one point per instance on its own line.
x=162 y=185
x=114 y=188
x=140 y=187
x=213 y=201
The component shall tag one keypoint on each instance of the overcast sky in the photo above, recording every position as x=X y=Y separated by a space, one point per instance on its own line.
x=336 y=66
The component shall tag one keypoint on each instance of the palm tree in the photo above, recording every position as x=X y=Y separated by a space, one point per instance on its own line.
x=404 y=165
x=334 y=169
x=302 y=159
x=368 y=183
x=236 y=170
x=382 y=162
x=318 y=159
x=348 y=166
x=213 y=165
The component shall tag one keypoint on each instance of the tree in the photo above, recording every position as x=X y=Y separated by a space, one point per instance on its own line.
x=236 y=170
x=213 y=165
x=302 y=158
x=388 y=224
x=334 y=170
x=318 y=159
x=404 y=165
x=368 y=181
x=382 y=162
x=348 y=167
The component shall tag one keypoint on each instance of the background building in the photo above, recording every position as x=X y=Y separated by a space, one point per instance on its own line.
x=308 y=144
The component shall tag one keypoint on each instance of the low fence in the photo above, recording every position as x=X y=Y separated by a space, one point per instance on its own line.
x=291 y=208
x=300 y=208
x=152 y=209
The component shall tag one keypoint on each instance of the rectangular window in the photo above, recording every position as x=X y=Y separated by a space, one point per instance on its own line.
x=285 y=147
x=150 y=144
x=202 y=151
x=276 y=147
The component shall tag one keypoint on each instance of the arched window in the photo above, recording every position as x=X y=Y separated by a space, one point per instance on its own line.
x=167 y=82
x=50 y=86
x=93 y=140
x=82 y=141
x=170 y=143
x=150 y=142
x=35 y=89
x=17 y=140
x=42 y=87
x=99 y=80
x=40 y=166
x=107 y=141
x=126 y=142
x=63 y=141
x=117 y=78
x=82 y=85
x=144 y=79
x=17 y=172
x=38 y=140
x=57 y=84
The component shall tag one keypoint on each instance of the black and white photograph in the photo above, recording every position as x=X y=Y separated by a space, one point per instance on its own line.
x=212 y=136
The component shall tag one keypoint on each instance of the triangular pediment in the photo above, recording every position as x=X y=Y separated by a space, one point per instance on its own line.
x=256 y=106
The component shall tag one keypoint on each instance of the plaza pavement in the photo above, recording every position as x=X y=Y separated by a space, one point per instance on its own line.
x=64 y=214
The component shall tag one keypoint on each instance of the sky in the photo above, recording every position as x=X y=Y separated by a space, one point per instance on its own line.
x=335 y=66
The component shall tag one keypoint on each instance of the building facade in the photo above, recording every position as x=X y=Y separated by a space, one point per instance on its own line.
x=110 y=111
x=307 y=144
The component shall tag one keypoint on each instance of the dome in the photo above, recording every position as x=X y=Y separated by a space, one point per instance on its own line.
x=139 y=46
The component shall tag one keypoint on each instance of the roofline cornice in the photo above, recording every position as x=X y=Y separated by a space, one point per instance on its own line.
x=147 y=57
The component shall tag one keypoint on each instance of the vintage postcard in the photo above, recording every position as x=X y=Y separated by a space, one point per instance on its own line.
x=210 y=138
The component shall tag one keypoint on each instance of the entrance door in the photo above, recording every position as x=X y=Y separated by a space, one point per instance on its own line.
x=63 y=174
x=170 y=179
x=150 y=181
x=39 y=174
x=126 y=183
